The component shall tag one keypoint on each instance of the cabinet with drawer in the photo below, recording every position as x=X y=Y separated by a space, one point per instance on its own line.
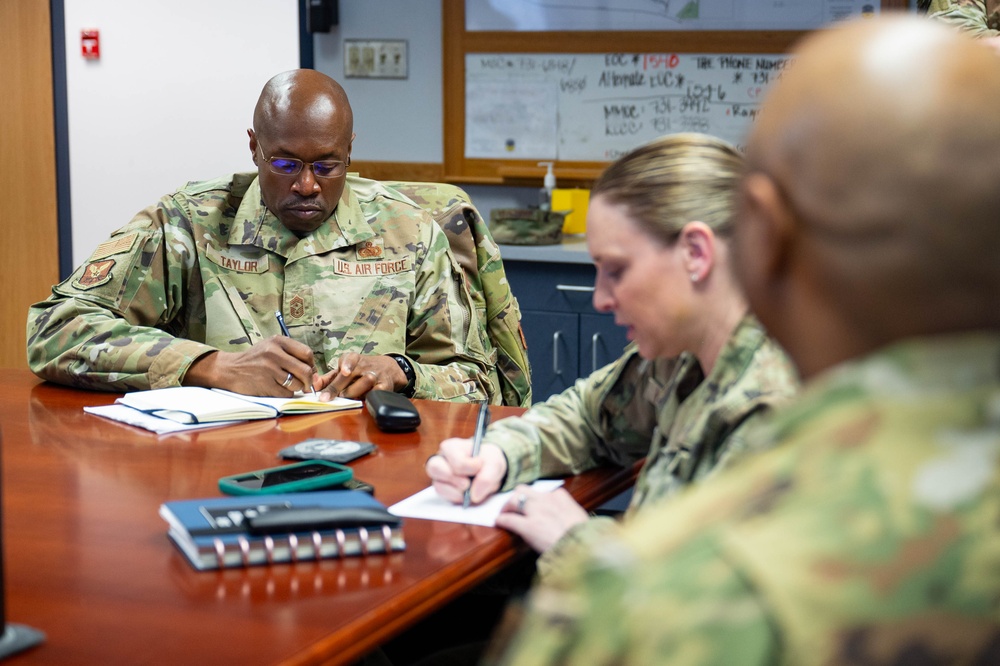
x=566 y=337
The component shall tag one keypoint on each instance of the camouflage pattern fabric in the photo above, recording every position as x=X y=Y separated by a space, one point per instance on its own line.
x=666 y=410
x=477 y=259
x=867 y=537
x=526 y=226
x=206 y=268
x=978 y=17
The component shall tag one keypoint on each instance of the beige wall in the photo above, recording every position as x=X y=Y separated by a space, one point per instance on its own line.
x=29 y=249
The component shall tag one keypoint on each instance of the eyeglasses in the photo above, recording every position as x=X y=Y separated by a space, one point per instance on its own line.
x=289 y=166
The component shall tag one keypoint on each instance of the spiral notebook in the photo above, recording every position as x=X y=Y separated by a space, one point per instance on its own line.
x=222 y=532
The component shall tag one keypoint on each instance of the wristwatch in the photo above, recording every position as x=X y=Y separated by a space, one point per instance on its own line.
x=411 y=375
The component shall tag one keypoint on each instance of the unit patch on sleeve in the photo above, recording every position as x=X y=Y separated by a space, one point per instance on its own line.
x=95 y=274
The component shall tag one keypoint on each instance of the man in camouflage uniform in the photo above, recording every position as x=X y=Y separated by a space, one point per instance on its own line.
x=869 y=535
x=187 y=292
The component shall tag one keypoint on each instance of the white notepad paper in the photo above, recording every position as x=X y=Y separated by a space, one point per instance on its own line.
x=429 y=505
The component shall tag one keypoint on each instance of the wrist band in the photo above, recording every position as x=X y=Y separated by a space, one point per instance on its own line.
x=411 y=375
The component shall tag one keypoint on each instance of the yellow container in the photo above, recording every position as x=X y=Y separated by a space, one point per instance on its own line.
x=574 y=203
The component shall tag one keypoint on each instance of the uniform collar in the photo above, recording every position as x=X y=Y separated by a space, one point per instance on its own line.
x=255 y=225
x=737 y=353
x=914 y=371
x=920 y=367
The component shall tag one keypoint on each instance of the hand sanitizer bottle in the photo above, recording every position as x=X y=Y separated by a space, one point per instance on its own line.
x=548 y=184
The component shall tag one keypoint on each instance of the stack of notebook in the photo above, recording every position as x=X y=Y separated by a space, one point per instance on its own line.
x=223 y=532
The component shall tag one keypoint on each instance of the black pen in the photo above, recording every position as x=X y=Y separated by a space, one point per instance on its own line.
x=284 y=331
x=481 y=422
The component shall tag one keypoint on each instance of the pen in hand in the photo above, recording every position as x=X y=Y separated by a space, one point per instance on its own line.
x=481 y=422
x=284 y=331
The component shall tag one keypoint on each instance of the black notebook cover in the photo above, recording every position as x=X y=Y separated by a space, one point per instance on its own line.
x=215 y=532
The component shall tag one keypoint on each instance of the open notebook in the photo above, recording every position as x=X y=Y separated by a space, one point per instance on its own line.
x=192 y=406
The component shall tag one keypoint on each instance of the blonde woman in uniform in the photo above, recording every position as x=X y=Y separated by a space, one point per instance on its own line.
x=699 y=373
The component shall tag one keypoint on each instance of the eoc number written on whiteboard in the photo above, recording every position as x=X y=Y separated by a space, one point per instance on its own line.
x=597 y=107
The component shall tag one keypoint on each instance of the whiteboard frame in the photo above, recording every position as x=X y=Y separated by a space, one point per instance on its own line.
x=457 y=42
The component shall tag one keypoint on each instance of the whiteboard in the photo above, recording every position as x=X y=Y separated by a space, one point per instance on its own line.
x=575 y=15
x=601 y=106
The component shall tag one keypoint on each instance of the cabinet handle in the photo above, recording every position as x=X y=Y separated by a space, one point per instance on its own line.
x=594 y=341
x=574 y=287
x=556 y=337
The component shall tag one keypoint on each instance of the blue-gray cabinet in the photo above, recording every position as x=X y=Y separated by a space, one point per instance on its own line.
x=566 y=337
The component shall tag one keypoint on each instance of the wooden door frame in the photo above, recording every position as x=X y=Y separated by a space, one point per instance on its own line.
x=29 y=253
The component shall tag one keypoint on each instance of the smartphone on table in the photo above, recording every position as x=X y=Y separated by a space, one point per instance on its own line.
x=297 y=477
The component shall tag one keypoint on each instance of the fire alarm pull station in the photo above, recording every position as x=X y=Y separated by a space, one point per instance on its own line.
x=90 y=44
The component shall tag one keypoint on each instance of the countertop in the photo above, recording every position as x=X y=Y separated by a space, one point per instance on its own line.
x=572 y=250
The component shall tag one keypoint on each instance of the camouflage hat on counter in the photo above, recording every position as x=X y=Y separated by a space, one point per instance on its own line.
x=526 y=226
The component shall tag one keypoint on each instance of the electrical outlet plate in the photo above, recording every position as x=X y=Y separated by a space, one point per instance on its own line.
x=375 y=58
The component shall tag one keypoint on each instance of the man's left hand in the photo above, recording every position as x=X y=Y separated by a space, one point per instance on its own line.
x=355 y=375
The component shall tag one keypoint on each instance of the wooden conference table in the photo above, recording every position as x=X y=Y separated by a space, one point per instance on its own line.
x=88 y=561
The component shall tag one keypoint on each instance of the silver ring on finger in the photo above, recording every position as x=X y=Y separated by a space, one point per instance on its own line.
x=522 y=499
x=287 y=382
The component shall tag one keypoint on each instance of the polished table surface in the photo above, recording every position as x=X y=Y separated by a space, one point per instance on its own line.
x=88 y=561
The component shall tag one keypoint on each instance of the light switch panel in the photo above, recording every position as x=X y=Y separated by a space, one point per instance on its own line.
x=375 y=58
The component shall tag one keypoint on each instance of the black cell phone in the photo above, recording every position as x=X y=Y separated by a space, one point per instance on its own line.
x=392 y=412
x=297 y=477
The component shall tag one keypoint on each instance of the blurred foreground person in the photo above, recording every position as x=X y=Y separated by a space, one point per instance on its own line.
x=867 y=243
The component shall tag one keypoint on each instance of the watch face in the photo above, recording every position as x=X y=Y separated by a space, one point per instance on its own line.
x=404 y=364
x=411 y=375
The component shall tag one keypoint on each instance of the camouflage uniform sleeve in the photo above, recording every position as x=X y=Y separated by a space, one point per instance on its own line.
x=745 y=440
x=449 y=360
x=730 y=426
x=577 y=539
x=600 y=528
x=603 y=418
x=612 y=605
x=105 y=327
x=969 y=15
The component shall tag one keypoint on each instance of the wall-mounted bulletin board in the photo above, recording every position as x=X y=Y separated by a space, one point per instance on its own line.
x=581 y=82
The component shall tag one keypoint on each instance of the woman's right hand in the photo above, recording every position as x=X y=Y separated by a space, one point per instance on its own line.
x=453 y=468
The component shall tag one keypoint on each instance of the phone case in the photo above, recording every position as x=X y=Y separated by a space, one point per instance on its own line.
x=340 y=475
x=392 y=412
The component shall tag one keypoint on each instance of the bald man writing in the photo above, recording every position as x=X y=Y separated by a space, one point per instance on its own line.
x=186 y=293
x=867 y=244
